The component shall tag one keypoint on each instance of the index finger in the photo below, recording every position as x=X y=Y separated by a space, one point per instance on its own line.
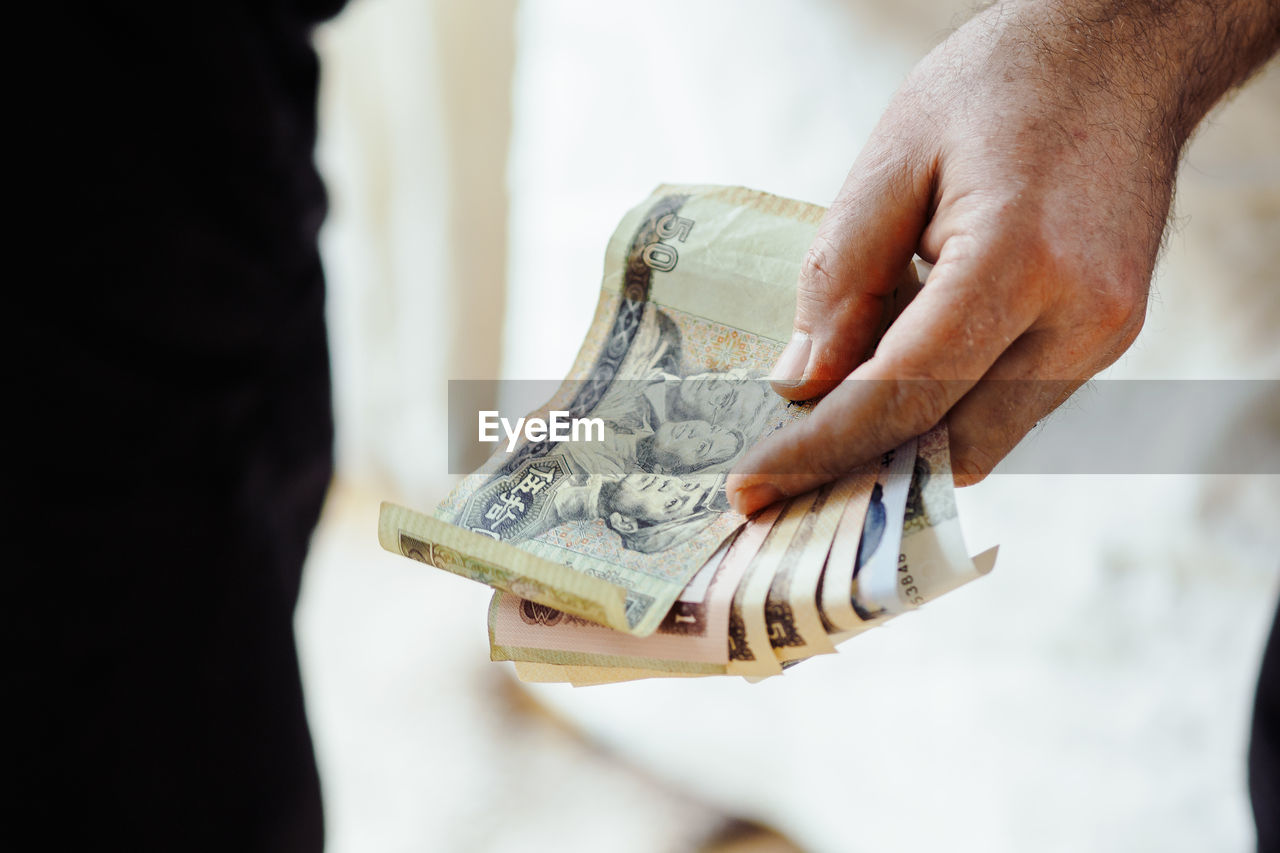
x=968 y=313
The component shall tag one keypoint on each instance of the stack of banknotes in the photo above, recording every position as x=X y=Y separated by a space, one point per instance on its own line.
x=612 y=550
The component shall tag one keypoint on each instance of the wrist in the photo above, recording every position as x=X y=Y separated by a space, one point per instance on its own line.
x=1158 y=66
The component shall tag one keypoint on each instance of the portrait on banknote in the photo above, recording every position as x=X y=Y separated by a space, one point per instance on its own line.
x=671 y=376
x=678 y=407
x=654 y=478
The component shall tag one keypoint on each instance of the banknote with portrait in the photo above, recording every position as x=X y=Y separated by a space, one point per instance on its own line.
x=696 y=302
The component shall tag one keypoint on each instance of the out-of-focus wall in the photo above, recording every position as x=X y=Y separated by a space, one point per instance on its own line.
x=613 y=99
x=415 y=118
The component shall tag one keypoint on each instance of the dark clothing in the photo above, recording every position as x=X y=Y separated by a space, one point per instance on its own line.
x=183 y=431
x=1264 y=747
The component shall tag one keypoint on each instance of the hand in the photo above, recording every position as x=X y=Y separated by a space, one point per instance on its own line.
x=1031 y=158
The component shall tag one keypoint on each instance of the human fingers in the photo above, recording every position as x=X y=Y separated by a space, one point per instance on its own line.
x=1040 y=371
x=861 y=251
x=967 y=315
x=1007 y=403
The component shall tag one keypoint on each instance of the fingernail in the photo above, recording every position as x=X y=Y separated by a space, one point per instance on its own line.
x=794 y=359
x=752 y=498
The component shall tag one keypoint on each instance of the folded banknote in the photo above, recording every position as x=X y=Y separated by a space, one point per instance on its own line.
x=612 y=550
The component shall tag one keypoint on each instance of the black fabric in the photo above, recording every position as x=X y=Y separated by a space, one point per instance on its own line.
x=180 y=429
x=1264 y=747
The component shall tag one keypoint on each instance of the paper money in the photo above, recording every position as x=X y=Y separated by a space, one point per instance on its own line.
x=587 y=676
x=750 y=651
x=617 y=557
x=836 y=583
x=691 y=639
x=791 y=608
x=429 y=540
x=932 y=559
x=877 y=557
x=696 y=302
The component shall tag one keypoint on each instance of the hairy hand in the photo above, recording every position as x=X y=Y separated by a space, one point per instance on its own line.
x=1031 y=158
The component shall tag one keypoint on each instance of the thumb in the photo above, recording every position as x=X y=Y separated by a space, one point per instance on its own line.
x=861 y=252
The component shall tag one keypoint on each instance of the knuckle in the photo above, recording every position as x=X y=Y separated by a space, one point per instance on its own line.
x=818 y=271
x=1117 y=307
x=1117 y=312
x=918 y=404
x=1132 y=327
x=1040 y=271
x=970 y=467
x=1120 y=340
x=973 y=460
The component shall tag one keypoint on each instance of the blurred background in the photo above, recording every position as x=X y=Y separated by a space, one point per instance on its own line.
x=1093 y=693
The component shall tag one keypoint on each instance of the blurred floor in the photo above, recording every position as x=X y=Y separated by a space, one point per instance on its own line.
x=1092 y=694
x=425 y=746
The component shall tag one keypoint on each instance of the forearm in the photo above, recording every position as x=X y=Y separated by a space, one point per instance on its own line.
x=1093 y=92
x=1168 y=60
